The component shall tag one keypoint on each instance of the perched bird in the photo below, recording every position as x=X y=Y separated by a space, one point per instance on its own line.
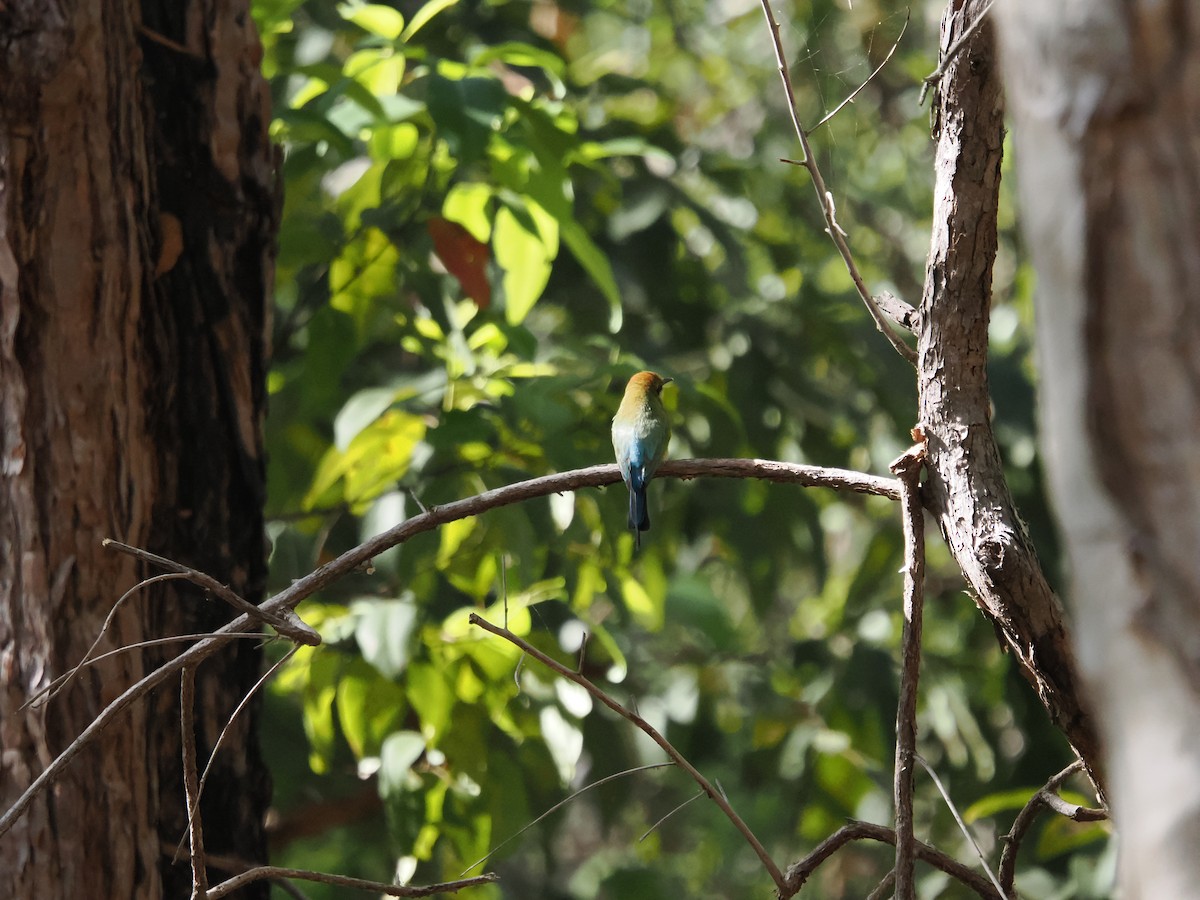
x=640 y=434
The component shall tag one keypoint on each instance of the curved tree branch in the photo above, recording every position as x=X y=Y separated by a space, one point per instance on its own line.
x=290 y=597
x=967 y=491
x=1045 y=797
x=798 y=873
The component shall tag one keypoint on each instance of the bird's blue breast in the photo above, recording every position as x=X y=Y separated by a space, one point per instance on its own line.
x=636 y=455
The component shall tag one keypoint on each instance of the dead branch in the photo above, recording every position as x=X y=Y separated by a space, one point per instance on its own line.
x=194 y=797
x=63 y=681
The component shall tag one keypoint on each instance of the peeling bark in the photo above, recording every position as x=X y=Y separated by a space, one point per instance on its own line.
x=137 y=213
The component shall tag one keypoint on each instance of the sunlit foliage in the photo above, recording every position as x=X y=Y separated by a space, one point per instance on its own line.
x=495 y=212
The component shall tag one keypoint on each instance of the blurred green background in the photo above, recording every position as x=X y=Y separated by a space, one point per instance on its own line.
x=496 y=212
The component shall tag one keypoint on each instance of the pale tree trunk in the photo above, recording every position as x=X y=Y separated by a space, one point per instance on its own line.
x=137 y=214
x=1106 y=99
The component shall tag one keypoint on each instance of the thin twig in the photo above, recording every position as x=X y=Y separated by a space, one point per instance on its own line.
x=417 y=500
x=266 y=676
x=560 y=804
x=678 y=758
x=229 y=863
x=191 y=782
x=582 y=652
x=263 y=873
x=962 y=826
x=883 y=890
x=167 y=42
x=952 y=51
x=56 y=684
x=288 y=626
x=909 y=468
x=1042 y=799
x=798 y=873
x=194 y=807
x=299 y=590
x=61 y=683
x=654 y=827
x=858 y=90
x=832 y=228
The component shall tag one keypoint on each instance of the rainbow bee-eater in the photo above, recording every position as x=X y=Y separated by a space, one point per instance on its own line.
x=640 y=434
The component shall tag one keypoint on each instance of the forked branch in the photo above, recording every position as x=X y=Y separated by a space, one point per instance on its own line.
x=800 y=872
x=287 y=599
x=1045 y=798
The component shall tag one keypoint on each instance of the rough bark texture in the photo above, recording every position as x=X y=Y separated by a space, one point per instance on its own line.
x=1107 y=103
x=137 y=214
x=966 y=490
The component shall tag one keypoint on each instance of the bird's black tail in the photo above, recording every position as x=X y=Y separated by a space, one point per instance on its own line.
x=639 y=514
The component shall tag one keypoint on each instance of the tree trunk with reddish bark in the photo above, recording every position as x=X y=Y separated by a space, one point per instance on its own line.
x=137 y=217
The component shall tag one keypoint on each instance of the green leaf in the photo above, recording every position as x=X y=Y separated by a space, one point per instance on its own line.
x=272 y=15
x=374 y=461
x=468 y=203
x=432 y=697
x=319 y=693
x=395 y=143
x=647 y=611
x=1000 y=801
x=1061 y=835
x=563 y=739
x=521 y=54
x=378 y=70
x=384 y=632
x=548 y=191
x=525 y=249
x=466 y=111
x=396 y=758
x=423 y=15
x=383 y=21
x=369 y=707
x=359 y=412
x=311 y=126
